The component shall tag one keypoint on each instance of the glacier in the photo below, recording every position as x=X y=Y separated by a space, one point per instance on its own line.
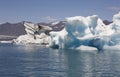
x=78 y=32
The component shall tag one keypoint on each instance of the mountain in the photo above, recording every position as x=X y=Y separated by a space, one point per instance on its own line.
x=56 y=26
x=10 y=29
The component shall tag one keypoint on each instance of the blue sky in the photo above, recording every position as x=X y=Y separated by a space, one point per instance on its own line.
x=53 y=10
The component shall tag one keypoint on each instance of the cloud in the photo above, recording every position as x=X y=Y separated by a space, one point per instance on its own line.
x=49 y=18
x=114 y=8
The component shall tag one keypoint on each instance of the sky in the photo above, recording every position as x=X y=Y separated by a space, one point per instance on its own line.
x=55 y=10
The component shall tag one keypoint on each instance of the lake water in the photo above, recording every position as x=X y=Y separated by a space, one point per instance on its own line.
x=36 y=61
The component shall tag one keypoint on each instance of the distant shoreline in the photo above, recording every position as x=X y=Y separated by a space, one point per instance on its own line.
x=7 y=37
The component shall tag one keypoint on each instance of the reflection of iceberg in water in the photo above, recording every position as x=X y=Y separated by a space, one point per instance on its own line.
x=78 y=32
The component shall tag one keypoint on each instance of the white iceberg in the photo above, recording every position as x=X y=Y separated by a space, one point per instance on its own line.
x=35 y=34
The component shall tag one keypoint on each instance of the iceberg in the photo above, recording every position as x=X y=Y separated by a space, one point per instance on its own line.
x=87 y=31
x=114 y=39
x=79 y=32
x=36 y=34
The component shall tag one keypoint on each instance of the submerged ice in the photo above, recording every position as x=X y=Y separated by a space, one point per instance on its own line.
x=78 y=31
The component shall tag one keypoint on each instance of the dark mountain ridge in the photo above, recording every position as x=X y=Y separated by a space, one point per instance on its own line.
x=15 y=29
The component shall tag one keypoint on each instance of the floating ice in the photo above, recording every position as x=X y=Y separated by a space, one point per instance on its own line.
x=36 y=34
x=79 y=32
x=87 y=31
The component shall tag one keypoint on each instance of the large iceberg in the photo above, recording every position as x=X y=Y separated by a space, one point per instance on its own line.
x=78 y=31
x=88 y=31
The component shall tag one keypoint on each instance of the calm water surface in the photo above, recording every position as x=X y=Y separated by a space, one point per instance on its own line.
x=36 y=61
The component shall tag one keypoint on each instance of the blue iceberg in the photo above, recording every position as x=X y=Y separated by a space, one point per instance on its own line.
x=87 y=31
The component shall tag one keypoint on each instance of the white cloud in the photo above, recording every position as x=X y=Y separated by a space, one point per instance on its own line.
x=114 y=8
x=49 y=18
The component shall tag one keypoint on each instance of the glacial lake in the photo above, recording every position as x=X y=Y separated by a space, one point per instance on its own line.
x=37 y=61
